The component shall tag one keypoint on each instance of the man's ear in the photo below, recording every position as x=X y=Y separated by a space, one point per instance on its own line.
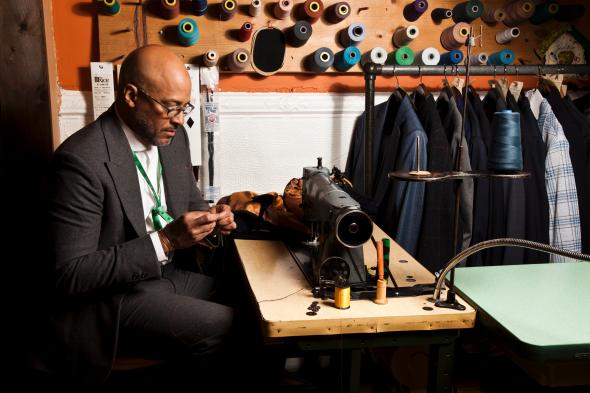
x=130 y=95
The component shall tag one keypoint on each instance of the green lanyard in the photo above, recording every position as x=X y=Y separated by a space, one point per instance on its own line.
x=157 y=211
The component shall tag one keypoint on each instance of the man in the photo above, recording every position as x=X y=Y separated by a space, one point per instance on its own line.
x=124 y=211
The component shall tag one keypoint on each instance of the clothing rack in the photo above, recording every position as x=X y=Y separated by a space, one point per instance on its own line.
x=371 y=70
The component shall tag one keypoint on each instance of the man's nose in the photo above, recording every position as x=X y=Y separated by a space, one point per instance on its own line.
x=177 y=119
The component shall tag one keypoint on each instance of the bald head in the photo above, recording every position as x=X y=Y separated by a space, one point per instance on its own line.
x=153 y=67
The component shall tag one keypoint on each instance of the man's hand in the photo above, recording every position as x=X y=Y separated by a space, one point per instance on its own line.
x=190 y=228
x=225 y=220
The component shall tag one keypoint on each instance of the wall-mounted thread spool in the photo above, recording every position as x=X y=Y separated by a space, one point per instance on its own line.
x=467 y=11
x=415 y=9
x=506 y=148
x=353 y=35
x=451 y=58
x=337 y=12
x=518 y=12
x=376 y=55
x=199 y=7
x=245 y=32
x=313 y=10
x=110 y=7
x=282 y=9
x=299 y=34
x=169 y=9
x=238 y=60
x=505 y=36
x=345 y=59
x=188 y=32
x=404 y=35
x=455 y=36
x=503 y=57
x=428 y=56
x=228 y=9
x=440 y=14
x=255 y=8
x=401 y=56
x=493 y=15
x=320 y=60
x=479 y=59
x=544 y=12
x=210 y=58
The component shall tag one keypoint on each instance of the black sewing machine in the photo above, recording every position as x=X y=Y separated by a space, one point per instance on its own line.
x=338 y=228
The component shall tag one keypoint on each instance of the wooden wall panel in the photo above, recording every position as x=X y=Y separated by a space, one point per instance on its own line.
x=121 y=33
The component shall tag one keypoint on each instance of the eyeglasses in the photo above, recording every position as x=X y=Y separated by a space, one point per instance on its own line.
x=171 y=111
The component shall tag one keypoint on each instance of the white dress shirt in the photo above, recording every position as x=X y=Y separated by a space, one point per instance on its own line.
x=148 y=156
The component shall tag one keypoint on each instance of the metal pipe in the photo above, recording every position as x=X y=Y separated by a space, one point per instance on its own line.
x=379 y=69
x=369 y=119
x=502 y=243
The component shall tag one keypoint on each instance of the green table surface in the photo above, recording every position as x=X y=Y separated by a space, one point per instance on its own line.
x=543 y=308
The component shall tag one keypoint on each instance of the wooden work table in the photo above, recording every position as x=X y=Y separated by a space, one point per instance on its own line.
x=283 y=296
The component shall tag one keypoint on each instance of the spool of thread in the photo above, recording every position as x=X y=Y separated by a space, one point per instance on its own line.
x=404 y=35
x=440 y=14
x=569 y=12
x=506 y=149
x=415 y=9
x=455 y=36
x=467 y=11
x=341 y=293
x=451 y=58
x=479 y=59
x=428 y=56
x=401 y=56
x=493 y=16
x=169 y=9
x=299 y=34
x=381 y=292
x=353 y=35
x=228 y=9
x=283 y=9
x=518 y=12
x=245 y=32
x=505 y=36
x=188 y=32
x=376 y=55
x=110 y=7
x=200 y=7
x=313 y=10
x=320 y=60
x=503 y=57
x=337 y=12
x=238 y=60
x=544 y=12
x=345 y=59
x=255 y=8
x=210 y=58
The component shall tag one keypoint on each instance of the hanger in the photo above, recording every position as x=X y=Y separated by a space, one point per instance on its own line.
x=546 y=84
x=421 y=88
x=446 y=85
x=458 y=83
x=516 y=86
x=399 y=89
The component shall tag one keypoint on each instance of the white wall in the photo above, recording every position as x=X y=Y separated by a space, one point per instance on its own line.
x=266 y=138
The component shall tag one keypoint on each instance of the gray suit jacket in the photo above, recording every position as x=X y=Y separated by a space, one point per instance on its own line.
x=100 y=244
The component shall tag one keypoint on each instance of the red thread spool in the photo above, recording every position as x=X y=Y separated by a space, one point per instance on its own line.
x=245 y=32
x=313 y=10
x=169 y=9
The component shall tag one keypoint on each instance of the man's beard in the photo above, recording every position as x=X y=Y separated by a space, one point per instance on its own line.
x=146 y=131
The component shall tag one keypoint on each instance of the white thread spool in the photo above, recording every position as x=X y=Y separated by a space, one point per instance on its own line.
x=505 y=36
x=479 y=59
x=404 y=35
x=428 y=56
x=210 y=58
x=376 y=55
x=255 y=8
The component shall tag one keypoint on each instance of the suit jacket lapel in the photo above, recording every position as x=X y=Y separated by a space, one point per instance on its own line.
x=123 y=171
x=174 y=169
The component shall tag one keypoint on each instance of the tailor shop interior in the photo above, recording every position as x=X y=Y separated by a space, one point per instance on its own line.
x=447 y=125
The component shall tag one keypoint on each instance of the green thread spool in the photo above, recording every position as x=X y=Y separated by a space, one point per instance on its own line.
x=401 y=56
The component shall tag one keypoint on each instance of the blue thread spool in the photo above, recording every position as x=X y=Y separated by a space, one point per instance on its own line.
x=451 y=58
x=200 y=7
x=111 y=7
x=506 y=149
x=344 y=60
x=188 y=32
x=503 y=57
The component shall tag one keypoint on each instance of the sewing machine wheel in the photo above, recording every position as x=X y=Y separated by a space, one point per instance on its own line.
x=332 y=268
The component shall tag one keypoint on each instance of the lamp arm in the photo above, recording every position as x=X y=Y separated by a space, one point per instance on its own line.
x=502 y=243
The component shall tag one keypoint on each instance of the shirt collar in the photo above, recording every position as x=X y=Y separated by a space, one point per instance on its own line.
x=134 y=143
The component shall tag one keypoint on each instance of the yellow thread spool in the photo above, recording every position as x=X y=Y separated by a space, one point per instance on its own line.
x=341 y=294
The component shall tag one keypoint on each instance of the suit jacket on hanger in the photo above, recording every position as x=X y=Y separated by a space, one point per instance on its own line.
x=101 y=247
